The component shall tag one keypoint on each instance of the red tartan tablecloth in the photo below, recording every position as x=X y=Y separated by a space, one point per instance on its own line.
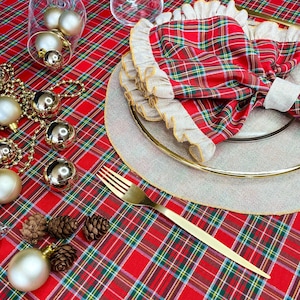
x=144 y=255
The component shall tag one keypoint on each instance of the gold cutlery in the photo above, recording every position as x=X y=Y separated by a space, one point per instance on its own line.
x=130 y=193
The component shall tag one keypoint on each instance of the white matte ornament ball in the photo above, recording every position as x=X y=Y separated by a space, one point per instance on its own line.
x=28 y=270
x=48 y=41
x=10 y=186
x=10 y=111
x=70 y=23
x=51 y=17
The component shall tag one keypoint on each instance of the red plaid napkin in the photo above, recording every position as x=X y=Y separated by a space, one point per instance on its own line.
x=216 y=74
x=212 y=59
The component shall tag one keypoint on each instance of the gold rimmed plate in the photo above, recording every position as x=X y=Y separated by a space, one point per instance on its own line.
x=265 y=148
x=241 y=191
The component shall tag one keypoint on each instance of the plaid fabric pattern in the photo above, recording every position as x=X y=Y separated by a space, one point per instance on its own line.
x=143 y=256
x=218 y=73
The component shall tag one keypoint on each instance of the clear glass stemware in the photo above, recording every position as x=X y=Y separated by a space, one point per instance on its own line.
x=128 y=12
x=54 y=28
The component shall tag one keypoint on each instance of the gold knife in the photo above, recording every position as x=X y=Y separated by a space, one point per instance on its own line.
x=209 y=240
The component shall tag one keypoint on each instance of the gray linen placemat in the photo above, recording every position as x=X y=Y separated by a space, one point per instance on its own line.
x=272 y=195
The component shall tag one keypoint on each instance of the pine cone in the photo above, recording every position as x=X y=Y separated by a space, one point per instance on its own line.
x=62 y=227
x=95 y=227
x=34 y=228
x=63 y=258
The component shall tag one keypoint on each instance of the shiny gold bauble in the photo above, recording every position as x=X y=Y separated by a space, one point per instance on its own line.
x=53 y=59
x=29 y=269
x=60 y=175
x=46 y=104
x=70 y=23
x=8 y=152
x=10 y=112
x=60 y=135
x=48 y=41
x=10 y=186
x=51 y=17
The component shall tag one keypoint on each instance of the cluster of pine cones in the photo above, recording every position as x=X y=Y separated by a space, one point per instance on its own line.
x=62 y=227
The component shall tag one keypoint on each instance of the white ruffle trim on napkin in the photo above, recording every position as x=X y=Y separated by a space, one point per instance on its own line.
x=253 y=30
x=147 y=87
x=154 y=85
x=282 y=95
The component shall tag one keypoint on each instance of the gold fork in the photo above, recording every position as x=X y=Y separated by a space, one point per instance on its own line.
x=130 y=193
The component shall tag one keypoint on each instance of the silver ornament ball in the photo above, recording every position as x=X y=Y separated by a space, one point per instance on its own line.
x=70 y=23
x=10 y=186
x=46 y=104
x=10 y=112
x=51 y=17
x=60 y=135
x=28 y=270
x=60 y=175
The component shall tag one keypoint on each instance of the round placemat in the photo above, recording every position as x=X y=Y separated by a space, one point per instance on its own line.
x=271 y=195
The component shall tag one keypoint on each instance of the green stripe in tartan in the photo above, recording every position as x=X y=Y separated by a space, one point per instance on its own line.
x=282 y=10
x=139 y=291
x=67 y=111
x=98 y=84
x=215 y=217
x=109 y=156
x=98 y=131
x=218 y=290
x=255 y=284
x=294 y=286
x=34 y=171
x=71 y=197
x=70 y=279
x=162 y=257
x=92 y=47
x=22 y=211
x=185 y=270
x=280 y=231
x=109 y=54
x=110 y=271
x=134 y=238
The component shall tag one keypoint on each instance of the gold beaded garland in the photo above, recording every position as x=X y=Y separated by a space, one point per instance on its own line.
x=35 y=106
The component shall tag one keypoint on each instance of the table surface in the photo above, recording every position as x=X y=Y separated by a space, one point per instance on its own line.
x=143 y=255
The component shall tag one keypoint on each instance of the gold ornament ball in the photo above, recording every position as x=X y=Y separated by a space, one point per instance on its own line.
x=28 y=270
x=8 y=152
x=60 y=175
x=10 y=112
x=46 y=104
x=70 y=23
x=60 y=135
x=51 y=17
x=10 y=186
x=53 y=59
